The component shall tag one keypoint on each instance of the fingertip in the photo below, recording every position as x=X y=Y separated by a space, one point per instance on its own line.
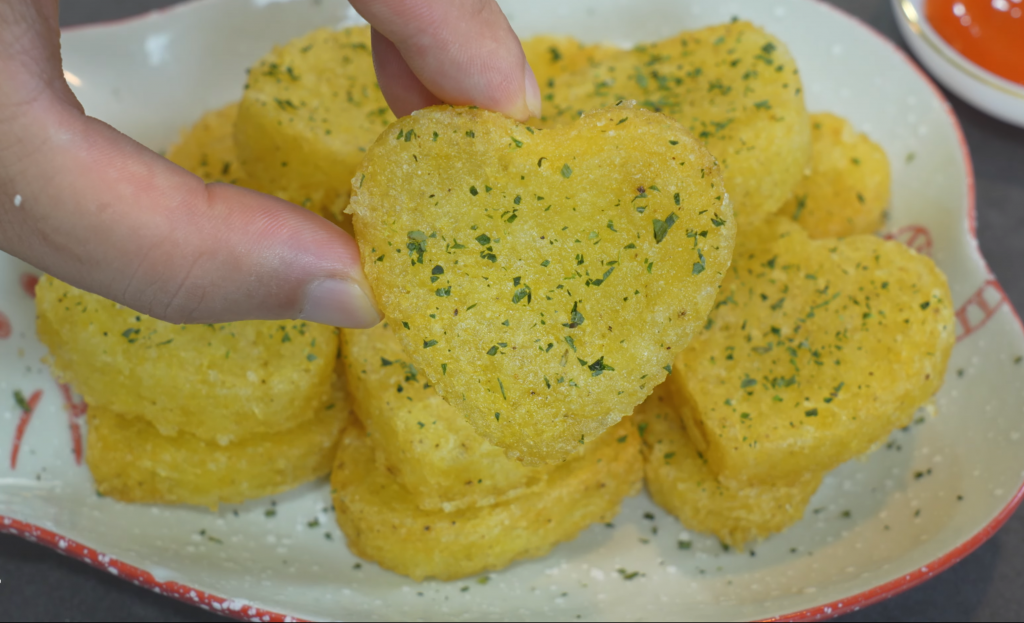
x=340 y=303
x=532 y=90
x=462 y=52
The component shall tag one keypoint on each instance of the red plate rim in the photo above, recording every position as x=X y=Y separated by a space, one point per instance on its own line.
x=140 y=577
x=240 y=609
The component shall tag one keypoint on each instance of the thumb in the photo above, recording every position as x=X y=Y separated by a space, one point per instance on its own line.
x=461 y=52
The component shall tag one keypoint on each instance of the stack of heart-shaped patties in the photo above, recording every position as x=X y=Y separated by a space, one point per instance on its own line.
x=417 y=490
x=816 y=350
x=196 y=414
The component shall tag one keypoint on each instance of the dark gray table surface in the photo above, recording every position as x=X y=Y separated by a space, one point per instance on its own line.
x=39 y=584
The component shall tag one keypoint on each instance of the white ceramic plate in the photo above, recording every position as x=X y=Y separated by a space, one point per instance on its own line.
x=876 y=526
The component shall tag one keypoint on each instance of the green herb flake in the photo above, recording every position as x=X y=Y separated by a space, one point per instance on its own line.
x=429 y=343
x=19 y=399
x=566 y=171
x=599 y=367
x=700 y=265
x=811 y=413
x=627 y=575
x=417 y=244
x=661 y=228
x=575 y=318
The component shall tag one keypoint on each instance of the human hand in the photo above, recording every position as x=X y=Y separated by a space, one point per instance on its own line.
x=92 y=207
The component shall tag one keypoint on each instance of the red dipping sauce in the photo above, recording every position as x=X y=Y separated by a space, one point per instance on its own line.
x=988 y=32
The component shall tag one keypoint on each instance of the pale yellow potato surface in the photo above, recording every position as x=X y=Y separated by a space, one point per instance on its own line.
x=679 y=480
x=420 y=439
x=735 y=86
x=208 y=148
x=383 y=523
x=309 y=111
x=132 y=461
x=553 y=56
x=816 y=350
x=219 y=382
x=847 y=190
x=542 y=280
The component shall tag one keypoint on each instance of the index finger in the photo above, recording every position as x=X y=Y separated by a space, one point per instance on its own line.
x=461 y=52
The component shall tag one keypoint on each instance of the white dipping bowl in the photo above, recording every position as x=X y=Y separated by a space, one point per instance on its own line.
x=992 y=94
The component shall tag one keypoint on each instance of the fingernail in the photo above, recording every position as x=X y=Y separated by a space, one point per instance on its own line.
x=532 y=91
x=339 y=303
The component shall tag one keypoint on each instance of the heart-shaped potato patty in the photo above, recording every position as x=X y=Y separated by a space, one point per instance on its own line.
x=816 y=350
x=735 y=86
x=543 y=280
